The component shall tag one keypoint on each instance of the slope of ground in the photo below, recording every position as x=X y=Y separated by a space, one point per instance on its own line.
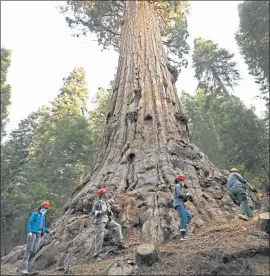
x=235 y=248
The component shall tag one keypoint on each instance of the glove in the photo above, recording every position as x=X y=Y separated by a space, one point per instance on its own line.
x=30 y=234
x=97 y=213
x=100 y=212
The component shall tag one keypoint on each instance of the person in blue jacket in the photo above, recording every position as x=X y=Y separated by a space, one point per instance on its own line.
x=179 y=205
x=235 y=185
x=36 y=227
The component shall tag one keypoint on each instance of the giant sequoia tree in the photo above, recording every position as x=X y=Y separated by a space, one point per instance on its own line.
x=146 y=144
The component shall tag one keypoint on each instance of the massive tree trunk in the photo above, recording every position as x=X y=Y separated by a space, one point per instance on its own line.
x=146 y=145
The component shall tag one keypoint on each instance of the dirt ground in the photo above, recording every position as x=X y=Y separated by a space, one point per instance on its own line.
x=236 y=248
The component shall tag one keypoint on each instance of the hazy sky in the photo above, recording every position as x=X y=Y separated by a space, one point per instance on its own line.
x=44 y=52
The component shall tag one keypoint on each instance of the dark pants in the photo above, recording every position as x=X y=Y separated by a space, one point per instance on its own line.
x=239 y=194
x=184 y=215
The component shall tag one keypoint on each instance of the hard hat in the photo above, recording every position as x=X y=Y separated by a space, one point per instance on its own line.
x=180 y=176
x=101 y=191
x=46 y=204
x=233 y=170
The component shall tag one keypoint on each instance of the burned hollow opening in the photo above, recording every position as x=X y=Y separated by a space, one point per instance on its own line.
x=148 y=118
x=131 y=157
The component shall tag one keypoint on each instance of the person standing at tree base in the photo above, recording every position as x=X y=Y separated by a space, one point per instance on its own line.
x=36 y=227
x=235 y=184
x=103 y=219
x=179 y=205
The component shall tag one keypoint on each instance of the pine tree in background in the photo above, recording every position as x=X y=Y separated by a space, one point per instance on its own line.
x=19 y=196
x=243 y=136
x=97 y=119
x=5 y=88
x=62 y=143
x=253 y=41
x=214 y=66
x=48 y=154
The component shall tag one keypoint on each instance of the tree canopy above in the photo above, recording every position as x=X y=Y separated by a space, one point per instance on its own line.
x=105 y=19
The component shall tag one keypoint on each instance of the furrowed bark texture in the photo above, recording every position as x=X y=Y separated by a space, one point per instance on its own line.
x=146 y=145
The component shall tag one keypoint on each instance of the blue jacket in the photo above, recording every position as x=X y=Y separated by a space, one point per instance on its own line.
x=178 y=195
x=34 y=222
x=234 y=180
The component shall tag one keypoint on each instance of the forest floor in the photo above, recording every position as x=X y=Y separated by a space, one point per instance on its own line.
x=235 y=248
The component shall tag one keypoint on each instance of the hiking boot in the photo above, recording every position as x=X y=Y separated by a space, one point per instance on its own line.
x=184 y=238
x=122 y=246
x=24 y=272
x=183 y=235
x=97 y=257
x=244 y=217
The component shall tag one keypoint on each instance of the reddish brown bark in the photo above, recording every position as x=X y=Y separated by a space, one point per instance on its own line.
x=146 y=145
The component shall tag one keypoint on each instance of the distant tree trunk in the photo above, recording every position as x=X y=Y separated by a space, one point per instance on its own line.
x=146 y=144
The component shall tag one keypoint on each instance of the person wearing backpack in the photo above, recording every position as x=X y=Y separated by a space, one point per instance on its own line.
x=36 y=228
x=103 y=219
x=179 y=204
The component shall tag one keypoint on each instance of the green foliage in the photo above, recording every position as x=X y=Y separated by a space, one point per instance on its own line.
x=243 y=138
x=253 y=40
x=214 y=66
x=19 y=196
x=98 y=118
x=63 y=140
x=73 y=97
x=48 y=155
x=5 y=88
x=105 y=19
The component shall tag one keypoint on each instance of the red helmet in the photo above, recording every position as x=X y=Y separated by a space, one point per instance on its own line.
x=46 y=204
x=101 y=191
x=180 y=176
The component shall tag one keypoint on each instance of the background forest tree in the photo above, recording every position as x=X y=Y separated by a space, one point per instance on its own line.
x=5 y=88
x=253 y=41
x=48 y=155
